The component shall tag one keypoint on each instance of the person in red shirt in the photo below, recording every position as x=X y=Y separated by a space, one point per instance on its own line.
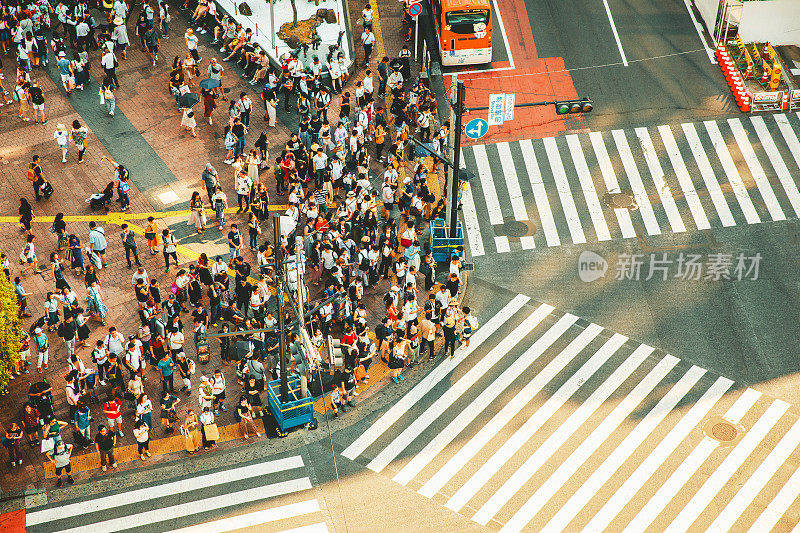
x=113 y=410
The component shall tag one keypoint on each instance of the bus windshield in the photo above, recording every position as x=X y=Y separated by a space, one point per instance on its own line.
x=465 y=21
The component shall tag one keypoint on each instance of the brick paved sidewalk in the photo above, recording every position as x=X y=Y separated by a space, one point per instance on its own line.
x=143 y=99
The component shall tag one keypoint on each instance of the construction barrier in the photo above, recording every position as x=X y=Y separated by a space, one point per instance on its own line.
x=794 y=99
x=766 y=101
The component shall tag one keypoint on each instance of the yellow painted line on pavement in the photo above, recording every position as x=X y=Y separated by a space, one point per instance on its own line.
x=376 y=27
x=119 y=217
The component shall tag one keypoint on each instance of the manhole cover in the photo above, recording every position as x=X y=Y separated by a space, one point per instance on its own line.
x=515 y=228
x=724 y=431
x=620 y=200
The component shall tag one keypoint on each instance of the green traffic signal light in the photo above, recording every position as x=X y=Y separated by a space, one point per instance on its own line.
x=565 y=107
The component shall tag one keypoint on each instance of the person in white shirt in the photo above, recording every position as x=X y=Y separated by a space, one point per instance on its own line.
x=121 y=9
x=243 y=184
x=109 y=63
x=369 y=85
x=191 y=44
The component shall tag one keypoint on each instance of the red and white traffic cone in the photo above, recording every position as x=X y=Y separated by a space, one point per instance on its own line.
x=785 y=101
x=749 y=72
x=764 y=78
x=745 y=105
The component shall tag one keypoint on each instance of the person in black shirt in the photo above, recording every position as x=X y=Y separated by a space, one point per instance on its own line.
x=90 y=276
x=154 y=292
x=200 y=314
x=214 y=302
x=104 y=442
x=37 y=101
x=253 y=398
x=238 y=130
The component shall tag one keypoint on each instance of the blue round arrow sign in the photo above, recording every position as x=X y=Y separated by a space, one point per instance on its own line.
x=476 y=128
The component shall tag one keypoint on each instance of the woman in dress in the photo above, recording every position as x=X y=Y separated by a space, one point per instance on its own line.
x=189 y=66
x=203 y=272
x=209 y=104
x=57 y=271
x=95 y=302
x=245 y=413
x=188 y=121
x=191 y=432
x=152 y=231
x=255 y=201
x=83 y=327
x=197 y=213
x=253 y=165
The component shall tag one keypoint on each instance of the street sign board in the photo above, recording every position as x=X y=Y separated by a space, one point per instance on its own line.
x=476 y=128
x=414 y=9
x=496 y=109
x=509 y=106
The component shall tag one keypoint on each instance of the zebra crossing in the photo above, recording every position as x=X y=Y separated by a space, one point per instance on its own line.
x=687 y=177
x=267 y=496
x=548 y=422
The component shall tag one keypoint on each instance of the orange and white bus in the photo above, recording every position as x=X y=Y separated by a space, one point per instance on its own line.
x=465 y=31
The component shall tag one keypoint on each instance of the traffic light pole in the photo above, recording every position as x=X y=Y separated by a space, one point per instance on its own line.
x=276 y=223
x=456 y=168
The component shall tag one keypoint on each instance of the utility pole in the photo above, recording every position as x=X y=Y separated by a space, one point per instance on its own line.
x=276 y=224
x=299 y=266
x=459 y=112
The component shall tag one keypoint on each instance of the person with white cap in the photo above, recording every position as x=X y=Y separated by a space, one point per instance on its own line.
x=65 y=69
x=42 y=347
x=120 y=36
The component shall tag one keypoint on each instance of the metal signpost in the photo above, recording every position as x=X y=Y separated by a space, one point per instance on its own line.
x=414 y=10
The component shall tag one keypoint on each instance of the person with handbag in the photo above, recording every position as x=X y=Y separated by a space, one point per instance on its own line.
x=142 y=433
x=190 y=430
x=397 y=360
x=209 y=429
x=168 y=414
x=244 y=412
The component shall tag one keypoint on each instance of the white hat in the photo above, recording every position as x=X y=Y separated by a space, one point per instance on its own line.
x=62 y=54
x=37 y=330
x=395 y=288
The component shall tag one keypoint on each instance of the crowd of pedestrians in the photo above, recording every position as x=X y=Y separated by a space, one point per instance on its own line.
x=358 y=198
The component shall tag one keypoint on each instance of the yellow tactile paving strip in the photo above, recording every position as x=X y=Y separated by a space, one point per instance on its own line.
x=124 y=454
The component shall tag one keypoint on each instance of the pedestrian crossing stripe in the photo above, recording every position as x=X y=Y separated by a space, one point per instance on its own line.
x=601 y=433
x=687 y=177
x=148 y=506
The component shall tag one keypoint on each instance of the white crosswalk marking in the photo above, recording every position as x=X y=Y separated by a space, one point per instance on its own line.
x=539 y=194
x=757 y=481
x=612 y=185
x=702 y=498
x=400 y=443
x=767 y=194
x=657 y=173
x=422 y=388
x=768 y=144
x=564 y=192
x=560 y=436
x=472 y=228
x=524 y=433
x=256 y=518
x=714 y=151
x=635 y=180
x=778 y=506
x=591 y=444
x=471 y=449
x=684 y=179
x=623 y=452
x=709 y=177
x=732 y=173
x=587 y=185
x=490 y=195
x=206 y=503
x=689 y=466
x=789 y=136
x=573 y=447
x=482 y=401
x=514 y=191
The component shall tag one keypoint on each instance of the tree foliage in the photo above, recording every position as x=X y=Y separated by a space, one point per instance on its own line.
x=10 y=331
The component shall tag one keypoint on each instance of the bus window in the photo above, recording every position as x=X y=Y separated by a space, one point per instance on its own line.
x=463 y=22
